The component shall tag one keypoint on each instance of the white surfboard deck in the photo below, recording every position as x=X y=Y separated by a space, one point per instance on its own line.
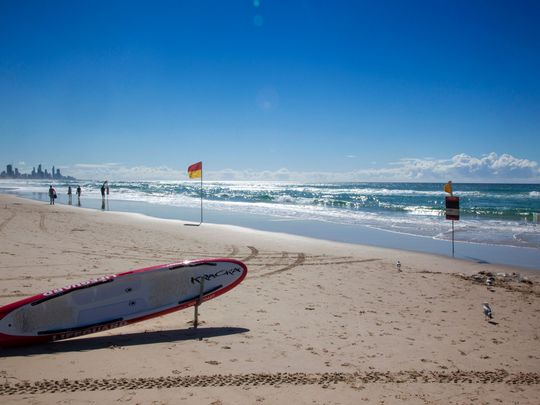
x=117 y=300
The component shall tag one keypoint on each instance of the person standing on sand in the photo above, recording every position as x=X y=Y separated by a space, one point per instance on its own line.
x=78 y=195
x=103 y=191
x=107 y=190
x=52 y=195
x=69 y=195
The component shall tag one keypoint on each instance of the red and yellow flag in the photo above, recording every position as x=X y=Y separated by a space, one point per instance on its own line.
x=448 y=187
x=195 y=170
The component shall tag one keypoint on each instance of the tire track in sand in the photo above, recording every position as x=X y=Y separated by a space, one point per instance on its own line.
x=6 y=221
x=254 y=253
x=42 y=222
x=272 y=379
x=300 y=259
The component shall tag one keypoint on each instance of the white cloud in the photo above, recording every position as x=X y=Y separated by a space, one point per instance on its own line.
x=459 y=168
x=117 y=171
x=462 y=167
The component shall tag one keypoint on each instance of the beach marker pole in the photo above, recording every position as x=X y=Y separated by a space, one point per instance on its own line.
x=451 y=195
x=452 y=209
x=201 y=197
x=452 y=238
x=195 y=171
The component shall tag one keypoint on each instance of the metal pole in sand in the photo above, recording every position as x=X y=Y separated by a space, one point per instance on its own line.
x=451 y=195
x=452 y=238
x=196 y=171
x=452 y=208
x=199 y=300
x=201 y=197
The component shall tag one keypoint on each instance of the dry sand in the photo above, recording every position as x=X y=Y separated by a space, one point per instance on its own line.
x=314 y=322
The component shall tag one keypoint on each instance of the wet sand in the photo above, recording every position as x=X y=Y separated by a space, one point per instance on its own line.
x=313 y=322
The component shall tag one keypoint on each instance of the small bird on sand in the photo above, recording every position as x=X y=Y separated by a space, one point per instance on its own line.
x=487 y=310
x=398 y=265
x=489 y=281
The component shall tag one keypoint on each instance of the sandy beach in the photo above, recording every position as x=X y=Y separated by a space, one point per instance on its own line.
x=314 y=322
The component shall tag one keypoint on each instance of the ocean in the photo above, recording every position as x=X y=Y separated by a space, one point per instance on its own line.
x=503 y=215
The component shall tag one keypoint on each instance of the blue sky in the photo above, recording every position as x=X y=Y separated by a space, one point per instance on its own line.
x=397 y=90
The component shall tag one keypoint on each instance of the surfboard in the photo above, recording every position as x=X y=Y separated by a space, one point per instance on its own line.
x=116 y=300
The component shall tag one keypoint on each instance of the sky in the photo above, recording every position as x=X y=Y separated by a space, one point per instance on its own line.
x=273 y=90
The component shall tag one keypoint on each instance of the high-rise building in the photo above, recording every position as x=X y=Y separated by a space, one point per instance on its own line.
x=14 y=173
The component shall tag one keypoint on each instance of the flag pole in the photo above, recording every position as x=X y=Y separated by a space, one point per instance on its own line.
x=451 y=195
x=194 y=171
x=452 y=210
x=201 y=195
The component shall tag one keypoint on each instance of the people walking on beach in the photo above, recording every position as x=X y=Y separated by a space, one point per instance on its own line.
x=103 y=191
x=78 y=195
x=52 y=194
x=69 y=195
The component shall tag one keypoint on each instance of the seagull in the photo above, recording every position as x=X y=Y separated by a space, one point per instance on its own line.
x=489 y=281
x=487 y=310
x=398 y=265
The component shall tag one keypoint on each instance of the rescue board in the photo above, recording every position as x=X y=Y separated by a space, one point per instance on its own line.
x=116 y=300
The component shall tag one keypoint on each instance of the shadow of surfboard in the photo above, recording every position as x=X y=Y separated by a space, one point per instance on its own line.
x=82 y=344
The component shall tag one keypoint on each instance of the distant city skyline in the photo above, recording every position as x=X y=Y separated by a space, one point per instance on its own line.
x=12 y=172
x=268 y=90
